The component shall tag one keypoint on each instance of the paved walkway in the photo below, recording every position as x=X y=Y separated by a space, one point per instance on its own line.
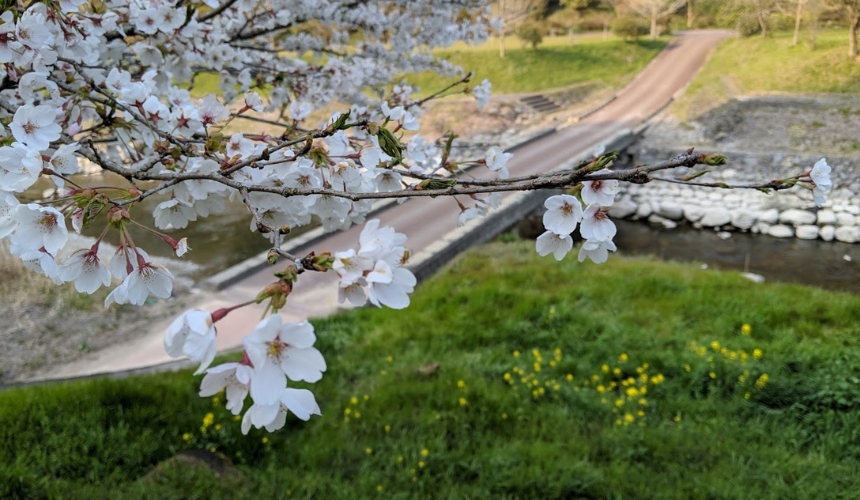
x=424 y=220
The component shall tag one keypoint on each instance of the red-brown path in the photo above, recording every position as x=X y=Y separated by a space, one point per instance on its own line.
x=424 y=220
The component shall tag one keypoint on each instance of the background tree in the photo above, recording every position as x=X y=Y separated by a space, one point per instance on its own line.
x=653 y=10
x=851 y=11
x=509 y=16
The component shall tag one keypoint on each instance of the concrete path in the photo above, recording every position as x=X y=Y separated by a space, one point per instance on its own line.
x=423 y=220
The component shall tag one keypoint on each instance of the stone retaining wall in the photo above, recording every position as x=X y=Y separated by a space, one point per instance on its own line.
x=786 y=214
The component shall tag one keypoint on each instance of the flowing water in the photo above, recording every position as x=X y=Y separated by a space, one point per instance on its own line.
x=832 y=265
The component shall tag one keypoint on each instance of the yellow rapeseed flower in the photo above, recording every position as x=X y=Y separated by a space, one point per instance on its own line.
x=217 y=427
x=746 y=330
x=757 y=353
x=463 y=402
x=629 y=418
x=421 y=464
x=187 y=437
x=601 y=389
x=762 y=381
x=208 y=419
x=605 y=368
x=347 y=411
x=516 y=354
x=595 y=377
x=643 y=401
x=715 y=345
x=569 y=377
x=619 y=402
x=461 y=384
x=425 y=452
x=632 y=392
x=353 y=400
x=640 y=413
x=616 y=371
x=623 y=358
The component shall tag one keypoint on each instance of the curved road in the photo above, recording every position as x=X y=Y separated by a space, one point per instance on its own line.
x=425 y=220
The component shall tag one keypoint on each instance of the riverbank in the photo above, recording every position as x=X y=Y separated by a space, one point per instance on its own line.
x=765 y=138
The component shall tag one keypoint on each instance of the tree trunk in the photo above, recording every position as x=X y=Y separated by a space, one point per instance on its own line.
x=852 y=34
x=797 y=17
x=690 y=15
x=653 y=26
x=762 y=22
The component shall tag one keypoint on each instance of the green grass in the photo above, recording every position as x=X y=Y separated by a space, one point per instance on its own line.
x=772 y=65
x=700 y=436
x=555 y=64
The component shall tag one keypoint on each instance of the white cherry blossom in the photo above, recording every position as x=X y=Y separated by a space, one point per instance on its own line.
x=597 y=251
x=600 y=192
x=234 y=378
x=86 y=270
x=39 y=227
x=563 y=213
x=193 y=335
x=820 y=176
x=556 y=244
x=596 y=224
x=35 y=126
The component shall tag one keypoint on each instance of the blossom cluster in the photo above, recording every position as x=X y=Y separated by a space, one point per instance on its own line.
x=565 y=212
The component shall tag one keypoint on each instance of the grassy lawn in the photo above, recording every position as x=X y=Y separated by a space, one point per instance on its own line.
x=772 y=65
x=634 y=379
x=556 y=63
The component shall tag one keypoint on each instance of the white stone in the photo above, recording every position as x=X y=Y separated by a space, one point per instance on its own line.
x=807 y=232
x=666 y=223
x=643 y=211
x=796 y=217
x=670 y=210
x=825 y=217
x=743 y=219
x=761 y=227
x=848 y=234
x=755 y=278
x=827 y=233
x=769 y=216
x=716 y=217
x=845 y=219
x=623 y=208
x=853 y=209
x=693 y=213
x=780 y=231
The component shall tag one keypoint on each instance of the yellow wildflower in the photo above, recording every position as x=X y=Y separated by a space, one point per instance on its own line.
x=629 y=418
x=379 y=488
x=208 y=419
x=368 y=450
x=762 y=381
x=623 y=358
x=757 y=353
x=746 y=330
x=616 y=371
x=400 y=459
x=605 y=368
x=516 y=354
x=463 y=402
x=569 y=377
x=265 y=440
x=387 y=429
x=712 y=375
x=421 y=464
x=187 y=437
x=461 y=384
x=601 y=389
x=353 y=400
x=390 y=359
x=687 y=368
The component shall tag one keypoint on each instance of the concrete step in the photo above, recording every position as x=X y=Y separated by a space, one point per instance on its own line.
x=540 y=103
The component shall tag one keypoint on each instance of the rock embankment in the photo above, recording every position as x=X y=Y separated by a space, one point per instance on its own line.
x=743 y=137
